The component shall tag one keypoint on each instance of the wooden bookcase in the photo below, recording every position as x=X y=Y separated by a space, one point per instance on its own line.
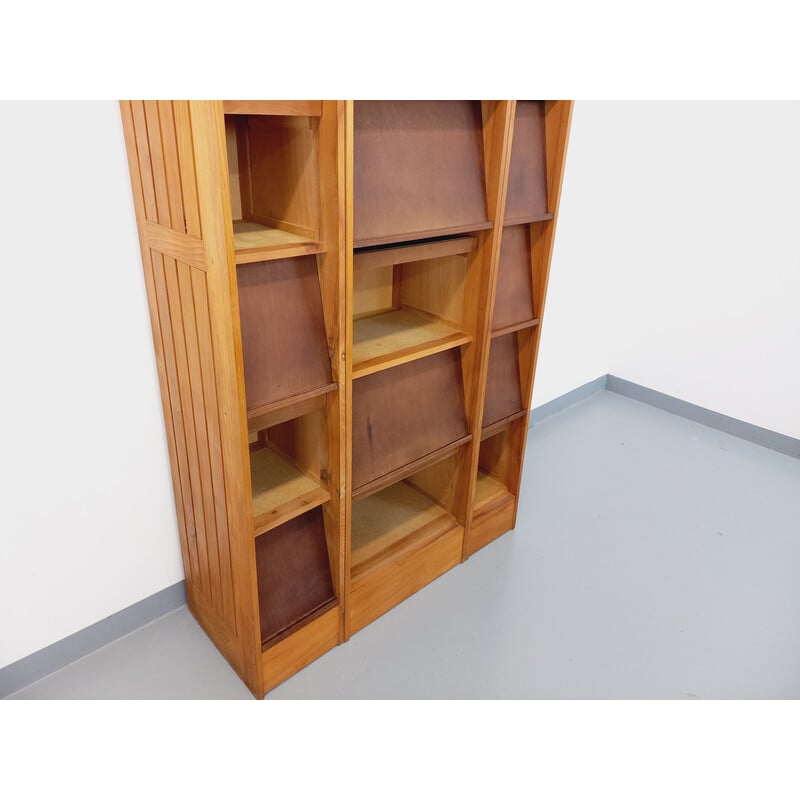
x=346 y=301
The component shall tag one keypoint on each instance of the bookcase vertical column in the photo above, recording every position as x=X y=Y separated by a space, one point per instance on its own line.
x=536 y=152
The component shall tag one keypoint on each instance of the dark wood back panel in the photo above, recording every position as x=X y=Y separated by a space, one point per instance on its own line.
x=404 y=413
x=418 y=168
x=283 y=330
x=527 y=177
x=294 y=578
x=503 y=393
x=513 y=300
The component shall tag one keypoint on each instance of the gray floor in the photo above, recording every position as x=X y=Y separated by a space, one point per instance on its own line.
x=653 y=558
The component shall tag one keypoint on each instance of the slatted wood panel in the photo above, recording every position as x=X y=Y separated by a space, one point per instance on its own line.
x=402 y=414
x=418 y=170
x=165 y=184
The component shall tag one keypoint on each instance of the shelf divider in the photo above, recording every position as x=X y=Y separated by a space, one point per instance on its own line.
x=253 y=243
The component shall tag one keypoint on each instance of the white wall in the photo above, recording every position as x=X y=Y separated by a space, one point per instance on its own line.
x=88 y=521
x=697 y=241
x=574 y=345
x=675 y=266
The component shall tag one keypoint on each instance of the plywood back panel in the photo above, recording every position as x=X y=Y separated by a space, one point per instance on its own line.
x=437 y=286
x=277 y=167
x=527 y=179
x=418 y=167
x=294 y=578
x=373 y=291
x=283 y=331
x=402 y=414
x=513 y=300
x=503 y=392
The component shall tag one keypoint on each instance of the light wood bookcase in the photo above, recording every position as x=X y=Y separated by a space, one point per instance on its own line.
x=346 y=301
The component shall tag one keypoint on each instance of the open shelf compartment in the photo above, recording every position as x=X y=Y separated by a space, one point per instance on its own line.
x=418 y=170
x=273 y=165
x=288 y=465
x=494 y=502
x=403 y=537
x=281 y=489
x=408 y=302
x=284 y=341
x=398 y=518
x=294 y=577
x=406 y=417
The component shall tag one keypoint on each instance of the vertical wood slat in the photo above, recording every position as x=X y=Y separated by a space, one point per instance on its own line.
x=183 y=132
x=172 y=166
x=145 y=166
x=331 y=268
x=347 y=421
x=209 y=382
x=157 y=163
x=178 y=322
x=176 y=411
x=199 y=427
x=126 y=108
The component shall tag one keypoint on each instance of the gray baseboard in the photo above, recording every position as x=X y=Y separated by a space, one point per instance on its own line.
x=713 y=419
x=542 y=412
x=55 y=656
x=35 y=666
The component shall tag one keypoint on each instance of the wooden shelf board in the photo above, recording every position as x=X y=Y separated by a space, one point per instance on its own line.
x=295 y=400
x=501 y=424
x=293 y=411
x=527 y=219
x=490 y=492
x=295 y=627
x=387 y=256
x=281 y=490
x=254 y=243
x=398 y=519
x=398 y=336
x=398 y=474
x=303 y=108
x=517 y=326
x=429 y=234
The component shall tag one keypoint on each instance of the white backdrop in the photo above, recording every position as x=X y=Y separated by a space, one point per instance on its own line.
x=676 y=266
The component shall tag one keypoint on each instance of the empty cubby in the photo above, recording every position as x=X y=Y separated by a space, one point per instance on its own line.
x=273 y=165
x=418 y=170
x=403 y=536
x=288 y=464
x=408 y=302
